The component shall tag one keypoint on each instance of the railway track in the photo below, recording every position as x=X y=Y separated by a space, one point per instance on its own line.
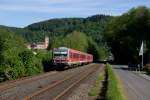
x=60 y=88
x=11 y=84
x=46 y=86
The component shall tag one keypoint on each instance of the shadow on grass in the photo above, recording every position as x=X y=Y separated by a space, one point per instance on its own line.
x=103 y=90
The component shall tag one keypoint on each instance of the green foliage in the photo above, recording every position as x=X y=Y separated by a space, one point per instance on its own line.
x=45 y=57
x=31 y=63
x=113 y=92
x=147 y=68
x=44 y=54
x=10 y=46
x=125 y=33
x=15 y=60
x=56 y=42
x=76 y=40
x=100 y=52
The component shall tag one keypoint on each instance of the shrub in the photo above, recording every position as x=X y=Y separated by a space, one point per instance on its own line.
x=45 y=58
x=147 y=68
x=31 y=62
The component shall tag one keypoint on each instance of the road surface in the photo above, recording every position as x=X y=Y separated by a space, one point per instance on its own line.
x=135 y=86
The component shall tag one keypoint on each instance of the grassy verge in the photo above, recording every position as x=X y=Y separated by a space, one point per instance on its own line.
x=95 y=90
x=113 y=90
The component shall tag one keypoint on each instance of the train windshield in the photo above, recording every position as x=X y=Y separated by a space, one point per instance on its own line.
x=60 y=52
x=64 y=55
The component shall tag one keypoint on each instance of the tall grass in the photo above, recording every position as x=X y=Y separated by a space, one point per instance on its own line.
x=113 y=92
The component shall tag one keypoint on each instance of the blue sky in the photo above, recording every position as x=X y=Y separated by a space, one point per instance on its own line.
x=20 y=13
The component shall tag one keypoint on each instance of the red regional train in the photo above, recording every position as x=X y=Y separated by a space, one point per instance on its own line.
x=69 y=57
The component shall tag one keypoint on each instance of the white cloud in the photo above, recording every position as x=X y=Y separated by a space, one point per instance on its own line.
x=40 y=9
x=51 y=6
x=47 y=6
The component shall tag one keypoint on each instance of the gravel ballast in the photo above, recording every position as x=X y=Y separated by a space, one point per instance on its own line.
x=81 y=91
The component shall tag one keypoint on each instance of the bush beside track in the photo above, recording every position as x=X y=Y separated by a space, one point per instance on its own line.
x=147 y=68
x=113 y=92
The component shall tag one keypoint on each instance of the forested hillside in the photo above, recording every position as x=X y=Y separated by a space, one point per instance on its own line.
x=92 y=26
x=125 y=34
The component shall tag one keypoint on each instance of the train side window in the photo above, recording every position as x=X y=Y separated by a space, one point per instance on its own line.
x=70 y=55
x=75 y=55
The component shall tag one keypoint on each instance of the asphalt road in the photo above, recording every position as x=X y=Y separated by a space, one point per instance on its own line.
x=135 y=86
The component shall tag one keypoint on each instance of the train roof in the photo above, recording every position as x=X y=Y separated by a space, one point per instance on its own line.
x=61 y=48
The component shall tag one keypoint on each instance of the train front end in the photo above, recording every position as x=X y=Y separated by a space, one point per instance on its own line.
x=60 y=56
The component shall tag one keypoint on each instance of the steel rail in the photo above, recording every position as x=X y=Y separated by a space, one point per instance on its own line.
x=28 y=97
x=72 y=85
x=11 y=84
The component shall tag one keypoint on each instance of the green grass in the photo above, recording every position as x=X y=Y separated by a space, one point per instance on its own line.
x=113 y=91
x=95 y=89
